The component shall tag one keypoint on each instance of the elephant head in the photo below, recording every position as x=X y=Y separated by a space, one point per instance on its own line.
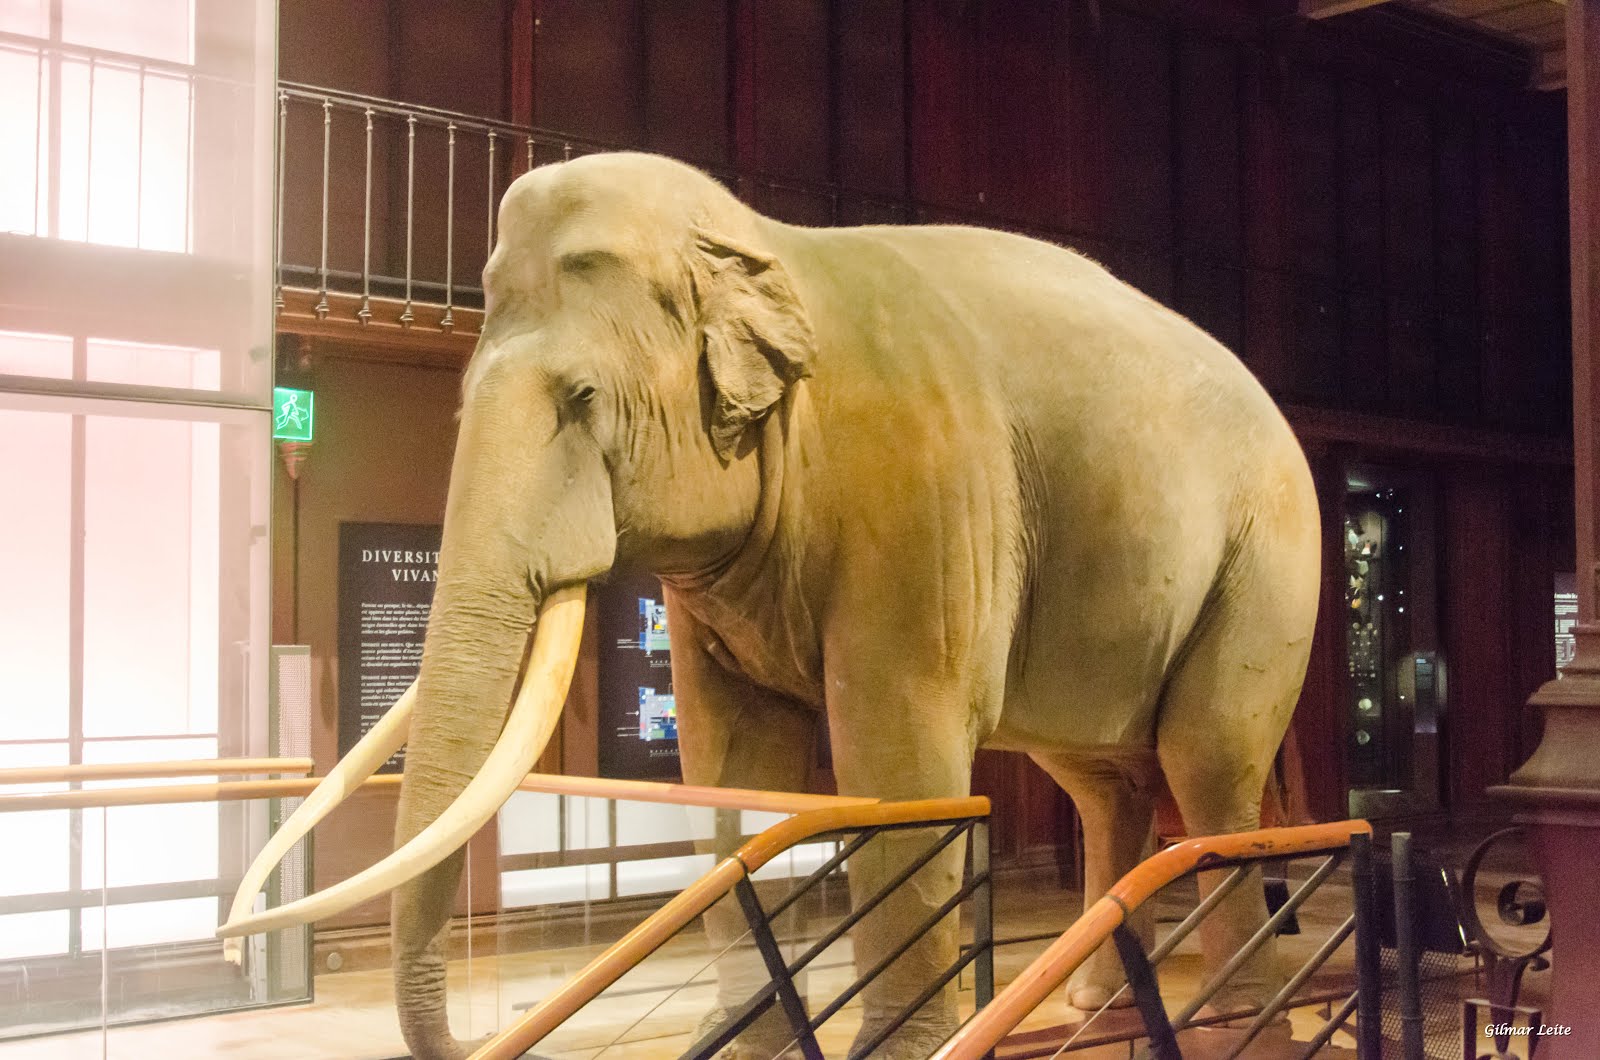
x=637 y=326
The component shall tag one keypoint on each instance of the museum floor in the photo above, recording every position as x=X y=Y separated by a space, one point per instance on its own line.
x=650 y=1014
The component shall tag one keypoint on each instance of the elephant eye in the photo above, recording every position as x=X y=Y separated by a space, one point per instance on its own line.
x=583 y=394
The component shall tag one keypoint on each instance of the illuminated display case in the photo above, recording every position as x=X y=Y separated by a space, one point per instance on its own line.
x=1395 y=681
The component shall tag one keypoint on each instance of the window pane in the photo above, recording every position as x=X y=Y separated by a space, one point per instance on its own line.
x=148 y=923
x=48 y=356
x=151 y=586
x=33 y=934
x=31 y=18
x=44 y=834
x=22 y=129
x=159 y=29
x=35 y=614
x=150 y=844
x=178 y=367
x=164 y=158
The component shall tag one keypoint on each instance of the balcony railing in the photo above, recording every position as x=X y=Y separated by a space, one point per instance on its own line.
x=387 y=210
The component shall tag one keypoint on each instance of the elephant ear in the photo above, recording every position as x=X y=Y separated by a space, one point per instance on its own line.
x=757 y=338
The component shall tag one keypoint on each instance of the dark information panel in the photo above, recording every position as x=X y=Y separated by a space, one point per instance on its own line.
x=638 y=715
x=387 y=572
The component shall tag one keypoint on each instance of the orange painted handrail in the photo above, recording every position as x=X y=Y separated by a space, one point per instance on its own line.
x=185 y=767
x=1050 y=969
x=624 y=955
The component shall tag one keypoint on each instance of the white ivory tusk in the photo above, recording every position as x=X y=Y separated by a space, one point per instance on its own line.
x=528 y=728
x=364 y=759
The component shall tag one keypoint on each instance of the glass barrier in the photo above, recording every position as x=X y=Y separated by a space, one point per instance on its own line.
x=126 y=965
x=132 y=941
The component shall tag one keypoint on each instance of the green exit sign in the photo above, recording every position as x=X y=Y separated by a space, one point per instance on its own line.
x=291 y=414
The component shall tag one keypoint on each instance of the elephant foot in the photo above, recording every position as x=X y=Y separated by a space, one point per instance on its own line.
x=768 y=1038
x=1090 y=992
x=917 y=1039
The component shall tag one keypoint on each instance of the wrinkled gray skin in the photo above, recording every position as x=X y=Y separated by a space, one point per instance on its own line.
x=947 y=487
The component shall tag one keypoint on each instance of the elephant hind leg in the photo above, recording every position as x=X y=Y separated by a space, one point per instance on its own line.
x=1113 y=791
x=1222 y=717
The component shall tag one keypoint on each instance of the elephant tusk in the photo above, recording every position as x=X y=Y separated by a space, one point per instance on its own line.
x=528 y=728
x=370 y=752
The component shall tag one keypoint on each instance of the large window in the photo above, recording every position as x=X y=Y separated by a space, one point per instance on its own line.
x=135 y=229
x=97 y=112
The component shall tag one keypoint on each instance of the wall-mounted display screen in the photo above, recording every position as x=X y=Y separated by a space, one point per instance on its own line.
x=638 y=712
x=387 y=573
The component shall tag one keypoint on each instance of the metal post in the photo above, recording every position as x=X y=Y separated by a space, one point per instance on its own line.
x=794 y=1005
x=982 y=915
x=411 y=184
x=327 y=139
x=364 y=314
x=447 y=322
x=1406 y=954
x=283 y=127
x=138 y=176
x=1369 y=962
x=1146 y=994
x=488 y=244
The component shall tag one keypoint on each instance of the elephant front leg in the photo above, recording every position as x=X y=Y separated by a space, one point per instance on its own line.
x=736 y=734
x=899 y=746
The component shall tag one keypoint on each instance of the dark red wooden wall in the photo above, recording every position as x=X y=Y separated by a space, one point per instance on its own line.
x=1370 y=213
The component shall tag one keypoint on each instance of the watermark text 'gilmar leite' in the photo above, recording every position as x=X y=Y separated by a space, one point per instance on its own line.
x=1544 y=1030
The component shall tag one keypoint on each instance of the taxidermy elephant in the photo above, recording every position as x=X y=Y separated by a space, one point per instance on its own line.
x=948 y=487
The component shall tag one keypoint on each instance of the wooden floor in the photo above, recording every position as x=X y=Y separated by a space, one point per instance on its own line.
x=654 y=1011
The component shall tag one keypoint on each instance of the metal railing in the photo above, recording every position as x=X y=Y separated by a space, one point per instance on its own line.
x=1108 y=918
x=963 y=818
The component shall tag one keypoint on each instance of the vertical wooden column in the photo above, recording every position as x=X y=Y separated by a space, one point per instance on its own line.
x=1557 y=791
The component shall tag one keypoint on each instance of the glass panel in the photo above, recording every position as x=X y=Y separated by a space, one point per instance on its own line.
x=588 y=823
x=1378 y=631
x=44 y=834
x=1566 y=610
x=639 y=823
x=158 y=29
x=144 y=364
x=164 y=160
x=47 y=356
x=145 y=923
x=568 y=883
x=23 y=87
x=151 y=581
x=530 y=823
x=33 y=934
x=661 y=875
x=35 y=645
x=31 y=18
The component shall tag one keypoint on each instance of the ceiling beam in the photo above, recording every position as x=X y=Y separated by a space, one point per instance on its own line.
x=1330 y=8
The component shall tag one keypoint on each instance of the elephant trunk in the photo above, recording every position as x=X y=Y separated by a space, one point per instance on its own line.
x=476 y=640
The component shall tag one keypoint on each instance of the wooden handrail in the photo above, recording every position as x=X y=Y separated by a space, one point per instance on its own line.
x=626 y=954
x=588 y=787
x=187 y=767
x=685 y=794
x=979 y=1035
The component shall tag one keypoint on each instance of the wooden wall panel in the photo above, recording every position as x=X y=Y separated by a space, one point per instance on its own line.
x=686 y=80
x=792 y=90
x=946 y=121
x=589 y=68
x=1476 y=554
x=870 y=97
x=1136 y=124
x=1022 y=53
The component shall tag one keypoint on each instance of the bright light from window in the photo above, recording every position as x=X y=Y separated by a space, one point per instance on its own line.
x=123 y=134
